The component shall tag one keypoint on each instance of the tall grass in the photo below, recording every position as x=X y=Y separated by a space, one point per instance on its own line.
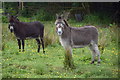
x=50 y=34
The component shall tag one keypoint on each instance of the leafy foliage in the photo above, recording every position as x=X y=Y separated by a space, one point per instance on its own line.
x=43 y=15
x=5 y=19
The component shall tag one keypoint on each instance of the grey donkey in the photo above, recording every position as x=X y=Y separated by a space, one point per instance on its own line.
x=77 y=37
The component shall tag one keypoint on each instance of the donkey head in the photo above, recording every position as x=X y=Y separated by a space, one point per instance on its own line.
x=12 y=21
x=61 y=24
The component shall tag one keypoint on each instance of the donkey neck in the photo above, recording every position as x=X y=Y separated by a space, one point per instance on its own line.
x=18 y=28
x=66 y=33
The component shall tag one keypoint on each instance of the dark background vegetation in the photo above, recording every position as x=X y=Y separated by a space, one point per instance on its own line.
x=46 y=11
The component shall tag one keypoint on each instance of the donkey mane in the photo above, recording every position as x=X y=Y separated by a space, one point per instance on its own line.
x=66 y=22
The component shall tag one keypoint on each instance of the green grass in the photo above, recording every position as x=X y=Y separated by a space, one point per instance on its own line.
x=30 y=64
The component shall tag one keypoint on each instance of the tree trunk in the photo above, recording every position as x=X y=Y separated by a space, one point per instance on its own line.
x=20 y=8
x=86 y=7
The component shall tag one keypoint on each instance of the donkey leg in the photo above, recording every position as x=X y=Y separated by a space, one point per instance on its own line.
x=23 y=44
x=19 y=44
x=42 y=44
x=97 y=51
x=93 y=53
x=38 y=41
x=68 y=63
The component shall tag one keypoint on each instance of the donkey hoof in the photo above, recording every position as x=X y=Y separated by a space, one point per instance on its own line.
x=98 y=62
x=92 y=62
x=38 y=51
x=44 y=52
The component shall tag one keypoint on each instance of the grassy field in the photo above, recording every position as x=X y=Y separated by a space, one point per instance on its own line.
x=30 y=64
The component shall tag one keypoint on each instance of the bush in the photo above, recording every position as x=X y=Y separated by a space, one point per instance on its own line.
x=114 y=32
x=26 y=13
x=50 y=36
x=44 y=15
x=4 y=19
x=104 y=39
x=97 y=19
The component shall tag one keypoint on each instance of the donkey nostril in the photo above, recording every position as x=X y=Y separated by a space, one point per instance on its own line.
x=59 y=32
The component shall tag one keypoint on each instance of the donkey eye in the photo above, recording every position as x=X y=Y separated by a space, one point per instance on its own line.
x=62 y=25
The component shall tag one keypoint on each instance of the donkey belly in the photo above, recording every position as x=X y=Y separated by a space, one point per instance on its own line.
x=79 y=46
x=34 y=33
x=80 y=43
x=80 y=37
x=28 y=35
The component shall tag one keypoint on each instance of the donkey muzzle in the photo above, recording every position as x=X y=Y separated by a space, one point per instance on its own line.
x=59 y=31
x=11 y=29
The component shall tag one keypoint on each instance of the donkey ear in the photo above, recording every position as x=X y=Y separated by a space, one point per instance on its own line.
x=57 y=15
x=62 y=16
x=8 y=15
x=16 y=15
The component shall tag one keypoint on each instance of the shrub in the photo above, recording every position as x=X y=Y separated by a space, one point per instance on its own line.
x=43 y=15
x=97 y=19
x=114 y=32
x=50 y=37
x=4 y=19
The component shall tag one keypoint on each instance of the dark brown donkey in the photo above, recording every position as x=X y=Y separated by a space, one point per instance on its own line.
x=25 y=30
